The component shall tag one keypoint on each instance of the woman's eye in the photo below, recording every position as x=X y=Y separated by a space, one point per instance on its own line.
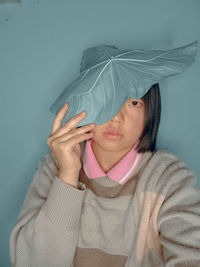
x=136 y=103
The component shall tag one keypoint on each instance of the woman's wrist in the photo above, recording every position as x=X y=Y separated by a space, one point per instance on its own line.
x=70 y=178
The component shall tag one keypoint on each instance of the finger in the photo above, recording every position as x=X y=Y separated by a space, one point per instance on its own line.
x=59 y=117
x=82 y=129
x=67 y=127
x=74 y=140
x=72 y=123
x=68 y=135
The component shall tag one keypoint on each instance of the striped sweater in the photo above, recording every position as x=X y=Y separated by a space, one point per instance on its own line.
x=153 y=219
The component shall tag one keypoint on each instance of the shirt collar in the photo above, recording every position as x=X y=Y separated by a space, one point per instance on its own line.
x=120 y=173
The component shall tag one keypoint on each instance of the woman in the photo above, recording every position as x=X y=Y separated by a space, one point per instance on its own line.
x=102 y=199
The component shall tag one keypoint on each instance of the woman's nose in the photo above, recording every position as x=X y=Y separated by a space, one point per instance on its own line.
x=117 y=117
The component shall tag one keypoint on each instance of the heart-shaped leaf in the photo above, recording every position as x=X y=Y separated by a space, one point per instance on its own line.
x=110 y=76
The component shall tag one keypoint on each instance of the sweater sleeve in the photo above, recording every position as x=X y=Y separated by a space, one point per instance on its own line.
x=179 y=218
x=46 y=230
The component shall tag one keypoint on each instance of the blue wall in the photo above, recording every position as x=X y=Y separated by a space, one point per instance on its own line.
x=41 y=44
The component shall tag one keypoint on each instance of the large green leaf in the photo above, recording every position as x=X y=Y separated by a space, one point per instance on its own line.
x=109 y=76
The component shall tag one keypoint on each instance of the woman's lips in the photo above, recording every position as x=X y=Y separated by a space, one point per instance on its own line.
x=110 y=135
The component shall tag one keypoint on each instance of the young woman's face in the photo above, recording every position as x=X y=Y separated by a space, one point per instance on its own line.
x=129 y=122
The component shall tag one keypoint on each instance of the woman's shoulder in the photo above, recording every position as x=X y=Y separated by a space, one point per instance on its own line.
x=164 y=161
x=167 y=157
x=165 y=171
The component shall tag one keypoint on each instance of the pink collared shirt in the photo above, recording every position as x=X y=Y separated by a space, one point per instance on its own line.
x=120 y=173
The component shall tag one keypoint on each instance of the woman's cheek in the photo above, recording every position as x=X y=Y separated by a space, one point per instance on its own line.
x=137 y=126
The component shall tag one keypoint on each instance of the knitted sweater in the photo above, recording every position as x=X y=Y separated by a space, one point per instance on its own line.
x=153 y=219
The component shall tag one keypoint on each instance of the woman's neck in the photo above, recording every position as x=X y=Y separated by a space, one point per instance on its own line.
x=108 y=159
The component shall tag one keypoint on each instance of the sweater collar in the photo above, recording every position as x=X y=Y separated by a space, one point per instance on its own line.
x=120 y=173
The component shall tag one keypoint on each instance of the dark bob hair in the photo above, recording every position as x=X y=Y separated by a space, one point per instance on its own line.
x=152 y=101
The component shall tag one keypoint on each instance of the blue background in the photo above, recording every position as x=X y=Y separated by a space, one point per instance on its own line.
x=41 y=44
